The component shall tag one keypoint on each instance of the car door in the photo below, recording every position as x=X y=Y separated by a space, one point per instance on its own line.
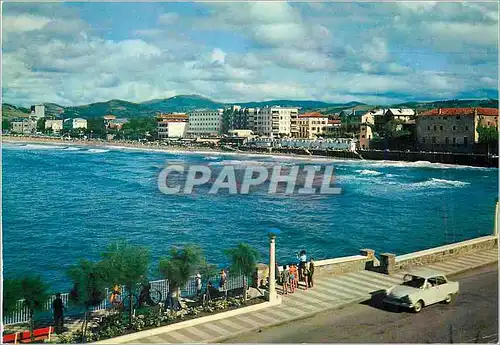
x=433 y=292
x=443 y=287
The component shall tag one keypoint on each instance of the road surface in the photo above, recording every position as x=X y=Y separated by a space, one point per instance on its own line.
x=472 y=315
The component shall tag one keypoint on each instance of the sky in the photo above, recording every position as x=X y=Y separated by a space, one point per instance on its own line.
x=377 y=53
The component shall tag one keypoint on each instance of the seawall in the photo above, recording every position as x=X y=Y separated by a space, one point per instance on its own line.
x=407 y=156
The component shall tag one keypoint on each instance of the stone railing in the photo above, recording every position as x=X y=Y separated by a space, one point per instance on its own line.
x=328 y=267
x=390 y=263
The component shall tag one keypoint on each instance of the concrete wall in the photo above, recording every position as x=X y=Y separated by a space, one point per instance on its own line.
x=390 y=263
x=355 y=263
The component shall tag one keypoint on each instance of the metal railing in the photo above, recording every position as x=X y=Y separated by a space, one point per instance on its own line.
x=21 y=313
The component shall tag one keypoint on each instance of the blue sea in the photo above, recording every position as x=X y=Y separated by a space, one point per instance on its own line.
x=62 y=203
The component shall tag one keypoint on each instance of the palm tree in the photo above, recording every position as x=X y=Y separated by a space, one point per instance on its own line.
x=180 y=266
x=243 y=260
x=125 y=264
x=88 y=289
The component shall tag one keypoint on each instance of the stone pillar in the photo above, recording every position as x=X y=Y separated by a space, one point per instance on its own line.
x=495 y=229
x=272 y=267
x=370 y=258
x=387 y=263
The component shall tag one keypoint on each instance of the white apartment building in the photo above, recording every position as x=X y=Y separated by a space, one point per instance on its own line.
x=205 y=123
x=75 y=123
x=38 y=111
x=275 y=121
x=54 y=125
x=173 y=125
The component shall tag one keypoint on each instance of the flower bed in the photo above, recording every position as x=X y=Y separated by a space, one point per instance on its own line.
x=114 y=325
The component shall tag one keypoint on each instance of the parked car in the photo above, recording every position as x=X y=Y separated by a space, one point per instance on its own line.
x=421 y=288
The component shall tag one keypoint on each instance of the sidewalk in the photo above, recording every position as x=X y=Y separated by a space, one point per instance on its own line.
x=328 y=293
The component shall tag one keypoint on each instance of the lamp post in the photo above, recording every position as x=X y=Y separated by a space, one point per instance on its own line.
x=272 y=263
x=495 y=229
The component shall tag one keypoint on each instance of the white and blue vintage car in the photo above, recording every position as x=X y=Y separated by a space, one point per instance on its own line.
x=420 y=288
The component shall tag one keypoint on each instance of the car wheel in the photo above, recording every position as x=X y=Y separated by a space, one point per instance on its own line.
x=447 y=299
x=418 y=306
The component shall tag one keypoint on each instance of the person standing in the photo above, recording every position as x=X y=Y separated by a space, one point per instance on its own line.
x=311 y=273
x=198 y=284
x=58 y=307
x=285 y=279
x=302 y=264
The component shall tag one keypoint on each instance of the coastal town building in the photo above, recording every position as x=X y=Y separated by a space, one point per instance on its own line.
x=311 y=125
x=205 y=123
x=235 y=117
x=173 y=125
x=118 y=123
x=365 y=130
x=453 y=128
x=275 y=121
x=108 y=119
x=346 y=144
x=76 y=123
x=24 y=126
x=54 y=125
x=403 y=115
x=38 y=111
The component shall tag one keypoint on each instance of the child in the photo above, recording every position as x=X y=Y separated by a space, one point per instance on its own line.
x=285 y=279
x=293 y=278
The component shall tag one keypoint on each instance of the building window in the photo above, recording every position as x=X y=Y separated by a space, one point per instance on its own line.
x=435 y=127
x=363 y=136
x=467 y=127
x=454 y=128
x=447 y=140
x=458 y=117
x=488 y=123
x=428 y=128
x=465 y=140
x=441 y=128
x=454 y=141
x=423 y=140
x=433 y=140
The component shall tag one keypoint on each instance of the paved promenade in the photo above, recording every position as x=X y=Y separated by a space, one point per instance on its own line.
x=328 y=293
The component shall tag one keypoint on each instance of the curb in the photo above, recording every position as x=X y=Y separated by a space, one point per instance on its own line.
x=188 y=323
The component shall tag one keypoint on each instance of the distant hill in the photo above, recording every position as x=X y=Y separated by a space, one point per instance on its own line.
x=186 y=103
x=181 y=103
x=10 y=111
x=454 y=103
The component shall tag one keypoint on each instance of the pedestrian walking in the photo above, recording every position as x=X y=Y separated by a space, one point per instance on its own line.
x=58 y=307
x=285 y=279
x=311 y=273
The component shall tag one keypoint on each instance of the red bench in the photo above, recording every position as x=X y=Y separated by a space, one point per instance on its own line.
x=25 y=337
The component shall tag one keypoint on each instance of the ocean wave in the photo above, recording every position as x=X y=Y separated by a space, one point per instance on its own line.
x=71 y=148
x=369 y=172
x=40 y=147
x=440 y=183
x=212 y=158
x=97 y=150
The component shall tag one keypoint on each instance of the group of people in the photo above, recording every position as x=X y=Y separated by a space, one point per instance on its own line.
x=292 y=274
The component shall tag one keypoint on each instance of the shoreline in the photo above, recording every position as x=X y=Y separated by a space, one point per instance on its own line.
x=156 y=147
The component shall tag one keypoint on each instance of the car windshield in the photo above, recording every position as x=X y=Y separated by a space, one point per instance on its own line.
x=413 y=281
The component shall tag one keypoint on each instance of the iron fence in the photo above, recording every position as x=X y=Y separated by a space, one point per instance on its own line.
x=21 y=313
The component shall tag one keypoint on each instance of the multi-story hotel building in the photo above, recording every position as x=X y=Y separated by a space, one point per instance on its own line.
x=311 y=125
x=55 y=125
x=205 y=123
x=453 y=127
x=172 y=125
x=275 y=121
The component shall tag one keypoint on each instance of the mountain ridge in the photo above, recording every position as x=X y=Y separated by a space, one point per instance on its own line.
x=186 y=103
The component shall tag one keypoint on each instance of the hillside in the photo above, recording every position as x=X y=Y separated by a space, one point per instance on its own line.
x=186 y=103
x=10 y=111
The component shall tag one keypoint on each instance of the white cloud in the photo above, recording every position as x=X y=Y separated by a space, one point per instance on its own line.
x=23 y=23
x=218 y=56
x=168 y=18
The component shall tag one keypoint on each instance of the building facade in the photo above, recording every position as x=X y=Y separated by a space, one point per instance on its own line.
x=76 y=123
x=24 y=126
x=55 y=125
x=38 y=111
x=365 y=130
x=453 y=128
x=311 y=125
x=173 y=125
x=275 y=121
x=205 y=123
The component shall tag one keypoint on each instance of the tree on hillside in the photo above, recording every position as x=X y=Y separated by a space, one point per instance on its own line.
x=125 y=264
x=89 y=283
x=180 y=266
x=33 y=292
x=40 y=125
x=5 y=124
x=243 y=260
